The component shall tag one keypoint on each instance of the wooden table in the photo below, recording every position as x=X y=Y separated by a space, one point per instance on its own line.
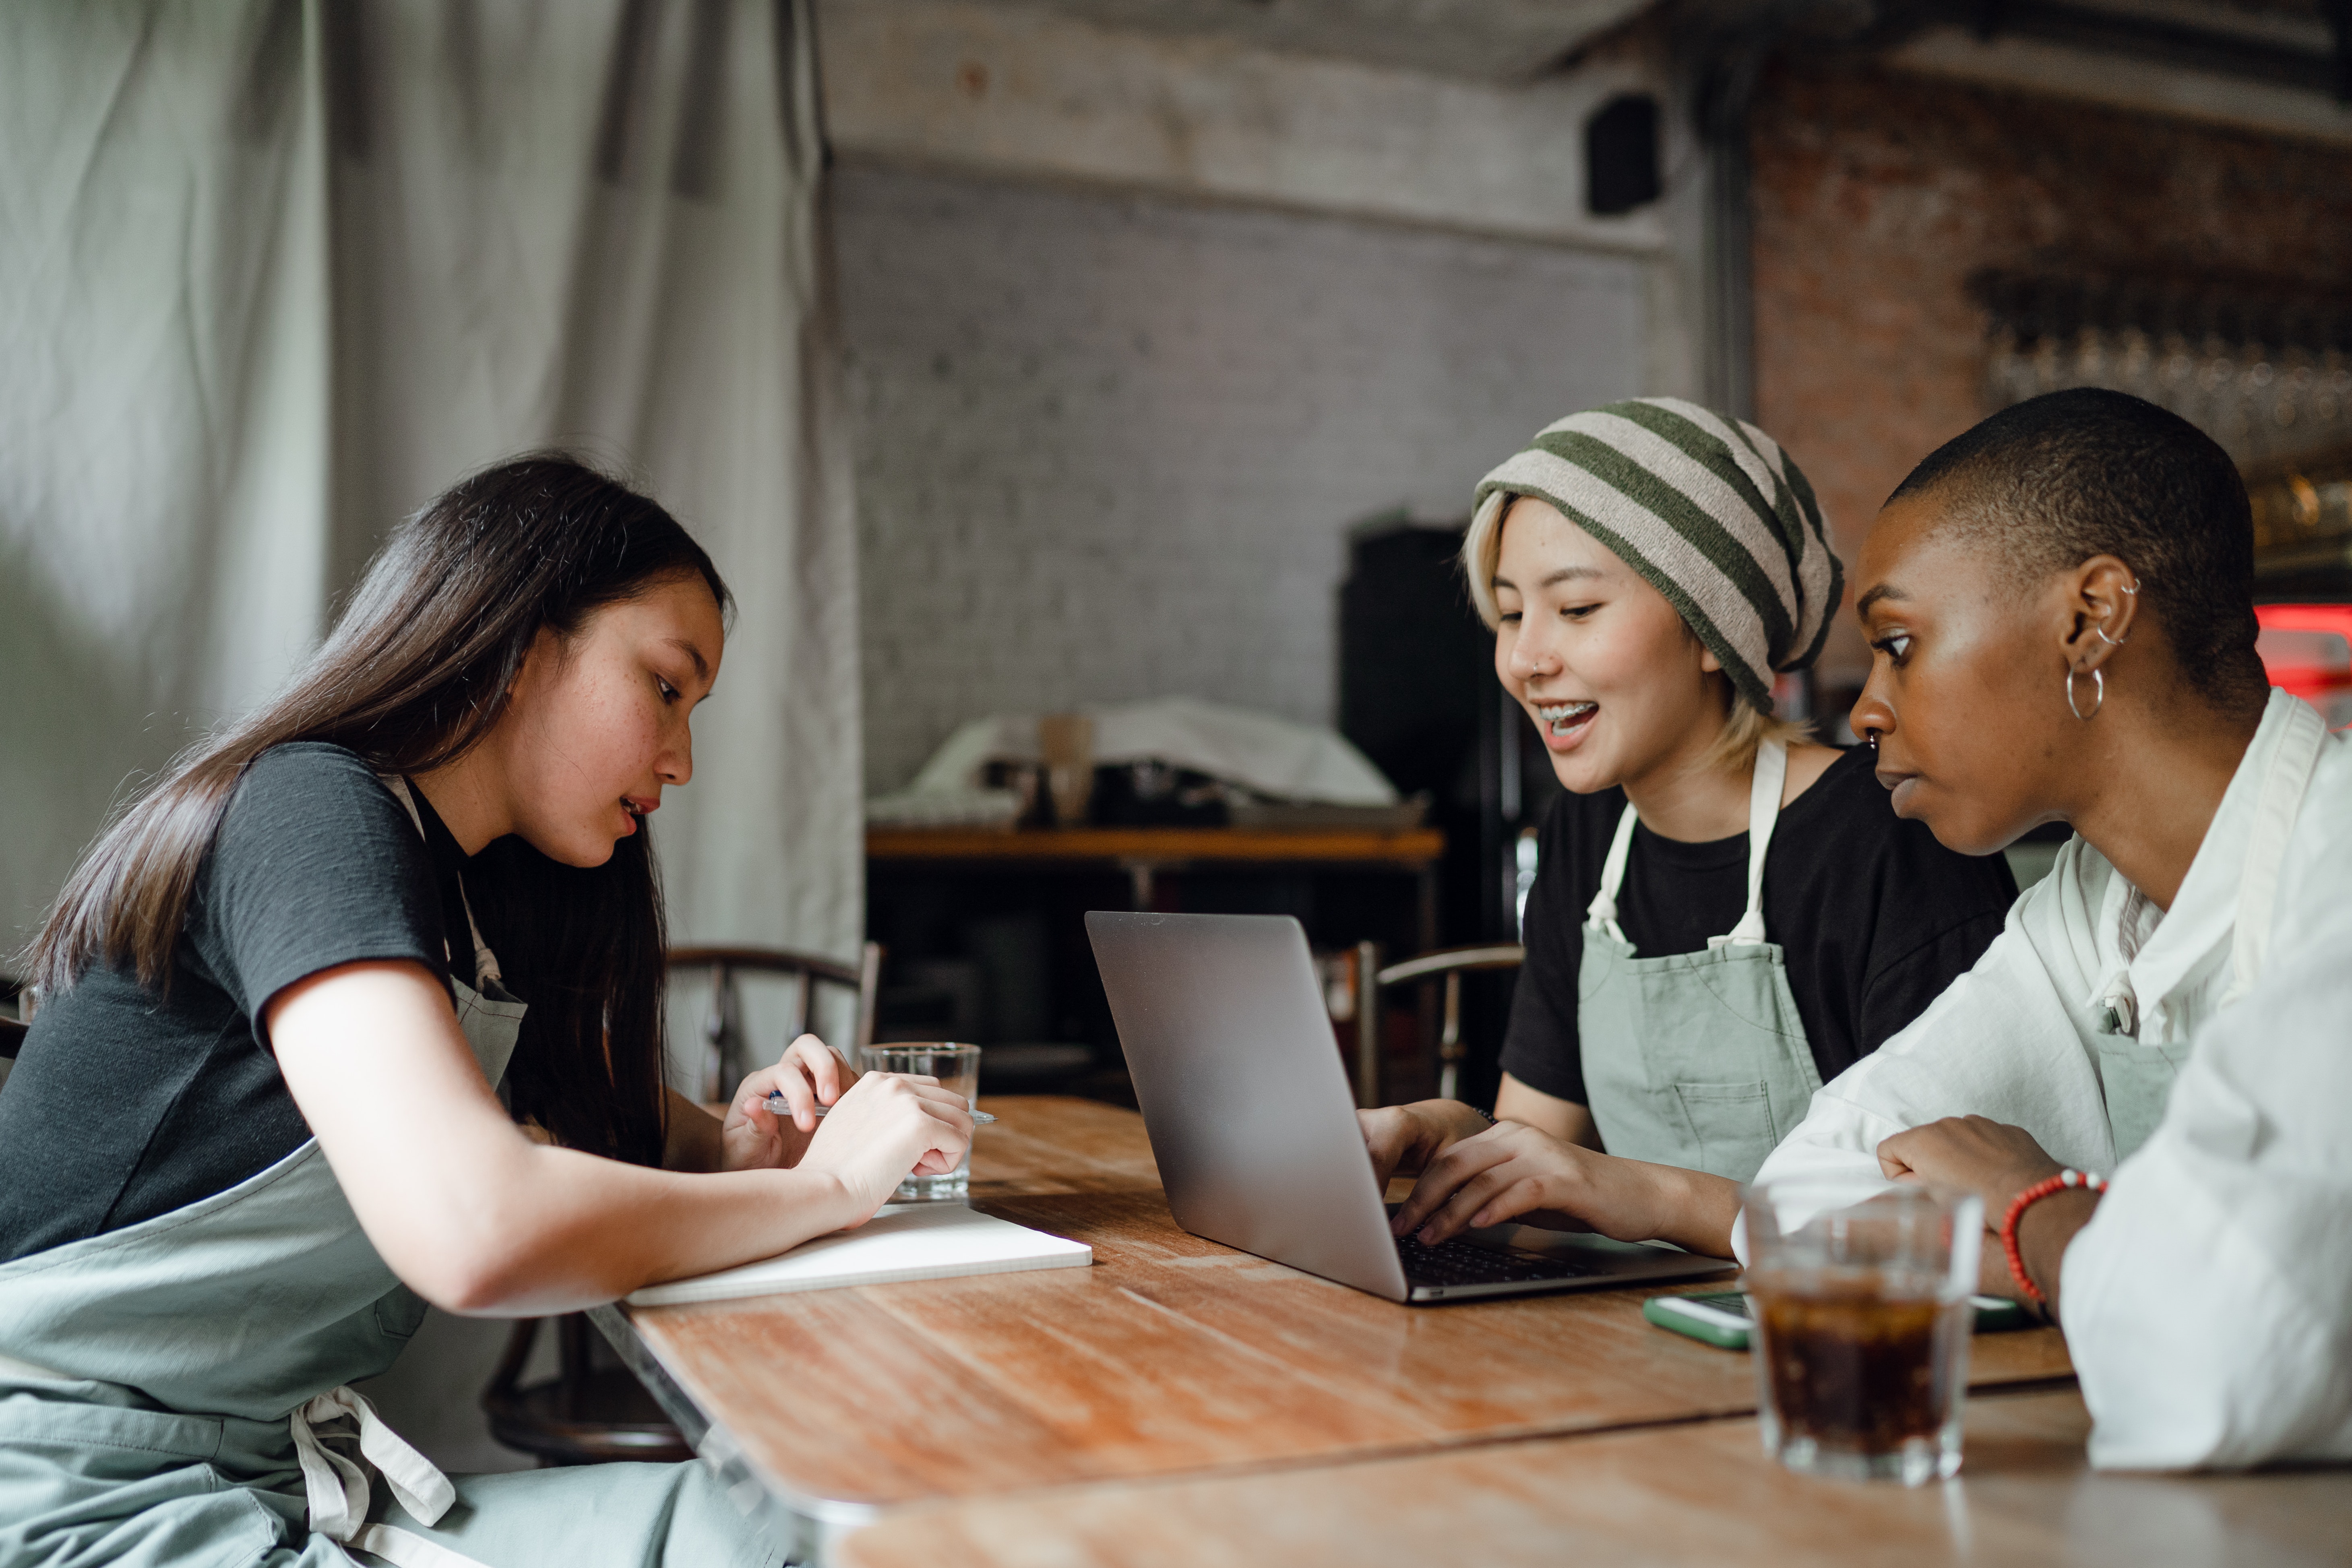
x=1147 y=853
x=1702 y=1495
x=1171 y=1356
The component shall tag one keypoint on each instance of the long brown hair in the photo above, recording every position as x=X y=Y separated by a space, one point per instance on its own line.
x=417 y=672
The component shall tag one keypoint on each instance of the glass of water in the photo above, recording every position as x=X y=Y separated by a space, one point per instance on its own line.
x=957 y=1069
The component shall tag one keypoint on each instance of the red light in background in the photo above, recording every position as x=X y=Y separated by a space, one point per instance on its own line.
x=2306 y=650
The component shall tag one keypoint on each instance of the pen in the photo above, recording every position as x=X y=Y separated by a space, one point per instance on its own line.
x=783 y=1106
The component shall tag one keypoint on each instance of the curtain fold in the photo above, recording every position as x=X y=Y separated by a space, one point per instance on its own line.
x=275 y=272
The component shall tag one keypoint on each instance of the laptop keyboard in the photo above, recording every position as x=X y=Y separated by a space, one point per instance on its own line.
x=1459 y=1262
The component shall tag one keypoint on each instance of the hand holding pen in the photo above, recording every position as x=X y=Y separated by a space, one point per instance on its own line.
x=820 y=1070
x=761 y=1130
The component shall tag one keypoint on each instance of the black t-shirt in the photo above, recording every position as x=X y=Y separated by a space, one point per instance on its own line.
x=124 y=1105
x=1873 y=917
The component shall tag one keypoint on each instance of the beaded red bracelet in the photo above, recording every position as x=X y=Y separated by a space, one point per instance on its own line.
x=2026 y=1199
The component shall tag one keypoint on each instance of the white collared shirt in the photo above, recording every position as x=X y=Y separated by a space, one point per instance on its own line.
x=2208 y=1304
x=2016 y=1038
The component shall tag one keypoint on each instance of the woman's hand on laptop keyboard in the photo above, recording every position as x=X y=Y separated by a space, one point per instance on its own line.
x=1403 y=1139
x=1512 y=1172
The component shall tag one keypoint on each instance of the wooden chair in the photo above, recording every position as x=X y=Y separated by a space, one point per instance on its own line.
x=13 y=1022
x=1450 y=964
x=588 y=1414
x=726 y=1051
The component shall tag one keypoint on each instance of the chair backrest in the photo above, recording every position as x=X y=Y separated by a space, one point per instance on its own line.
x=1446 y=963
x=16 y=1017
x=726 y=1048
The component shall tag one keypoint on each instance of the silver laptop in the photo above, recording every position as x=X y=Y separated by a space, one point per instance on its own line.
x=1253 y=1125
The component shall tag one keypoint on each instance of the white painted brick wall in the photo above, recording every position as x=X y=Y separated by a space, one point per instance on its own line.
x=1110 y=446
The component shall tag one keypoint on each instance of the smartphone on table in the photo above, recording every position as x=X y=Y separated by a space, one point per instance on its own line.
x=1721 y=1318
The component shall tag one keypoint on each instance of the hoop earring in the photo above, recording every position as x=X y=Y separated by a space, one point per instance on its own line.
x=2098 y=684
x=2101 y=633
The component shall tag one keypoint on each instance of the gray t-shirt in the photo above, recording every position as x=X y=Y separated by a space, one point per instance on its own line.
x=125 y=1104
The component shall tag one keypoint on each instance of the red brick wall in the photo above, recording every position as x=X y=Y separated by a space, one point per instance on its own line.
x=1877 y=194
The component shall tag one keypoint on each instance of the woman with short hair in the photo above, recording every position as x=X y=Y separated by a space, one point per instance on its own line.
x=2060 y=603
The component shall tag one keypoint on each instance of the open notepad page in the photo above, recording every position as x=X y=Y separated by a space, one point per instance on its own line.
x=902 y=1241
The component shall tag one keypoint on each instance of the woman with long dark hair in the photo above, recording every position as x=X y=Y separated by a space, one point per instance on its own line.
x=359 y=1008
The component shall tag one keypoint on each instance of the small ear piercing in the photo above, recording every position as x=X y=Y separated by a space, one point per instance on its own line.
x=2133 y=589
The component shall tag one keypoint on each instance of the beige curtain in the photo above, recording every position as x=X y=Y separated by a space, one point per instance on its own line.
x=273 y=272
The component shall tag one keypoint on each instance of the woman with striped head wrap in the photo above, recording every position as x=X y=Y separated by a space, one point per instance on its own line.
x=1726 y=914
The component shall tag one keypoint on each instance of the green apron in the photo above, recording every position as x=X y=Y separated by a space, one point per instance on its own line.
x=2136 y=1076
x=1698 y=1059
x=177 y=1392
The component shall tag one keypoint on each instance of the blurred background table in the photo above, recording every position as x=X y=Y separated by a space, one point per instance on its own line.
x=1147 y=854
x=1171 y=1356
x=1702 y=1494
x=986 y=937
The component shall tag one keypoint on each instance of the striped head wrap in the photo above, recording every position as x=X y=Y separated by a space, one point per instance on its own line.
x=1708 y=508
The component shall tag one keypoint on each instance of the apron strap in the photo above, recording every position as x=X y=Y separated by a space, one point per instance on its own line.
x=486 y=962
x=335 y=1482
x=1771 y=775
x=1601 y=915
x=2282 y=800
x=1763 y=815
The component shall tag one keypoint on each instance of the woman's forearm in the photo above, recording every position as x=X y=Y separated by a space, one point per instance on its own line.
x=1549 y=1113
x=471 y=1214
x=568 y=1230
x=2043 y=1232
x=1695 y=1211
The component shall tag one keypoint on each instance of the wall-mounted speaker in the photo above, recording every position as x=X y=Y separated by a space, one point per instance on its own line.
x=1621 y=155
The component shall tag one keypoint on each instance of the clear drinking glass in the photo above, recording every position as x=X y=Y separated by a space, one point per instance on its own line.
x=1862 y=1319
x=956 y=1068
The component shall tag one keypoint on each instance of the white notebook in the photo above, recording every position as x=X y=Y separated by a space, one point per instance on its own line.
x=902 y=1241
